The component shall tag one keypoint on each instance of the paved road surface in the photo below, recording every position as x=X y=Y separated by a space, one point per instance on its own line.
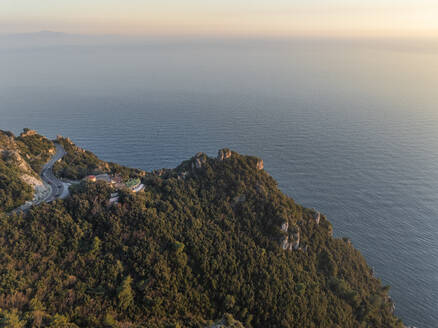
x=48 y=177
x=57 y=188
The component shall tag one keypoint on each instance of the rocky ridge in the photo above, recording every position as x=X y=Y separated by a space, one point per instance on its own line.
x=11 y=153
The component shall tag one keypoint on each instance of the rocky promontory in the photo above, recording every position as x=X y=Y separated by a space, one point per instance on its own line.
x=210 y=243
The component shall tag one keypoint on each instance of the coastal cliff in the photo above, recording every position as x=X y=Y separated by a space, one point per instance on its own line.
x=210 y=243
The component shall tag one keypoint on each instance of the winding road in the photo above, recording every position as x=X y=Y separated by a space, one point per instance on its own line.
x=58 y=189
x=56 y=185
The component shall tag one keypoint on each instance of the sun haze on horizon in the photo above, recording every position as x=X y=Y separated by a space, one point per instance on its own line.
x=345 y=18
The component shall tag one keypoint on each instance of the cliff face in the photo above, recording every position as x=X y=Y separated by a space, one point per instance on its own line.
x=21 y=158
x=211 y=243
x=227 y=322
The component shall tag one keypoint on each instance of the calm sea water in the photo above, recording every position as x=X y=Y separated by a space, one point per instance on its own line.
x=350 y=128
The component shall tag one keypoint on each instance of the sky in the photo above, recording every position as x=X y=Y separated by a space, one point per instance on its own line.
x=346 y=18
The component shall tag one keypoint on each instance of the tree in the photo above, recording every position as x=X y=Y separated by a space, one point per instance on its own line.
x=11 y=319
x=59 y=321
x=125 y=294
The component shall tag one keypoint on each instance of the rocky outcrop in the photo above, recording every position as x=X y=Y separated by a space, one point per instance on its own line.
x=316 y=216
x=41 y=190
x=28 y=133
x=66 y=140
x=260 y=165
x=12 y=155
x=285 y=226
x=31 y=180
x=391 y=302
x=19 y=161
x=291 y=242
x=223 y=154
x=285 y=243
x=29 y=176
x=9 y=151
x=295 y=240
x=238 y=200
x=61 y=138
x=199 y=160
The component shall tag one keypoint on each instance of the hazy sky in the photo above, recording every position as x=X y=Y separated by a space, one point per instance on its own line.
x=224 y=17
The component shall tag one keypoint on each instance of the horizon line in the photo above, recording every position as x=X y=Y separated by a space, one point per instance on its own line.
x=333 y=36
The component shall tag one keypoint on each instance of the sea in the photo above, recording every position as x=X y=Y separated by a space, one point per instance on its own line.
x=349 y=127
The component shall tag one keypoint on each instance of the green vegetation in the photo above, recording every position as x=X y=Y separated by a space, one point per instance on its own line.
x=35 y=149
x=13 y=191
x=132 y=182
x=79 y=163
x=198 y=245
x=19 y=156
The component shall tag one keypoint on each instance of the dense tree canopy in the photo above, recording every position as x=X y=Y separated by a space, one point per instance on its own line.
x=78 y=163
x=201 y=243
x=13 y=191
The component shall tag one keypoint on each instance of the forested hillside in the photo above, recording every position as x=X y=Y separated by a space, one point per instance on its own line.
x=21 y=159
x=78 y=163
x=203 y=244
